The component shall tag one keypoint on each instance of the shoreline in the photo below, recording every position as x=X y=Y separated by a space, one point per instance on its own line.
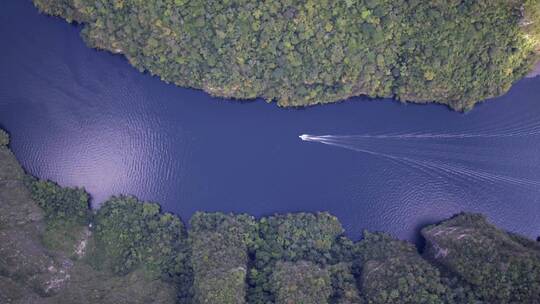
x=535 y=72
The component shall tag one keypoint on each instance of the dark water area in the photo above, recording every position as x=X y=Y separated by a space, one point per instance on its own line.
x=83 y=117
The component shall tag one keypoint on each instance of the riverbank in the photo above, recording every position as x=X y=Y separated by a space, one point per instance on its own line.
x=56 y=250
x=86 y=117
x=301 y=55
x=535 y=72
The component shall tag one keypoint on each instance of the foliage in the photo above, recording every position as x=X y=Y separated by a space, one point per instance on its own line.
x=301 y=282
x=130 y=234
x=318 y=51
x=72 y=10
x=290 y=238
x=392 y=271
x=137 y=251
x=299 y=236
x=301 y=258
x=60 y=203
x=66 y=210
x=219 y=244
x=4 y=138
x=33 y=273
x=344 y=285
x=529 y=23
x=500 y=267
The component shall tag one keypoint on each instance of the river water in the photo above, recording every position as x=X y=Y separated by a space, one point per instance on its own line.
x=83 y=117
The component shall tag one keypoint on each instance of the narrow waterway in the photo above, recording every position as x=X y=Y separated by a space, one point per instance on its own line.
x=84 y=117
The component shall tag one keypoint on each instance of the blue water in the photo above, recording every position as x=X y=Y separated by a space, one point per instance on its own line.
x=86 y=118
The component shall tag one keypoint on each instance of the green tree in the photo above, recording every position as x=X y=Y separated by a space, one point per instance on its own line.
x=67 y=213
x=219 y=245
x=301 y=282
x=303 y=53
x=130 y=234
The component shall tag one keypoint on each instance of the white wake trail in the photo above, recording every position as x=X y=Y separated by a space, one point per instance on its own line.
x=454 y=170
x=516 y=132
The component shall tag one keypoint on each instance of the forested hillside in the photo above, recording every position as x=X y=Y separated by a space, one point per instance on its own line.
x=55 y=249
x=319 y=51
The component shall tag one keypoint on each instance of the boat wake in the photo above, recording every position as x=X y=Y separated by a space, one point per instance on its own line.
x=367 y=145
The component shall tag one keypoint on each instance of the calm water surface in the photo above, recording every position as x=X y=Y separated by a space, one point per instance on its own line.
x=86 y=118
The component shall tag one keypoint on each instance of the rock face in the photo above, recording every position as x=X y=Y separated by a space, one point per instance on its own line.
x=501 y=267
x=392 y=271
x=23 y=258
x=535 y=72
x=89 y=286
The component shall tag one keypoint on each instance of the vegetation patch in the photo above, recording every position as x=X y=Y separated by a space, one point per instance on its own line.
x=67 y=213
x=319 y=51
x=219 y=245
x=500 y=267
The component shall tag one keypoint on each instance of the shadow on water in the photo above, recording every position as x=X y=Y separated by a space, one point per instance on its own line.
x=420 y=241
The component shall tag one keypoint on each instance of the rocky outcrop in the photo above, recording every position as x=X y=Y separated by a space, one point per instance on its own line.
x=90 y=286
x=392 y=271
x=501 y=267
x=23 y=258
x=32 y=273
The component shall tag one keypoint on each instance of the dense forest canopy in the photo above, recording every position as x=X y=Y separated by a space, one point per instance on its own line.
x=318 y=51
x=55 y=249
